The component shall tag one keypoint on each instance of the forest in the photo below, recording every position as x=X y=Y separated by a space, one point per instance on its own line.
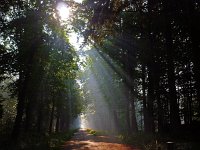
x=132 y=69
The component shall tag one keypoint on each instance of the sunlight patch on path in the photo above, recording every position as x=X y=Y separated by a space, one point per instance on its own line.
x=84 y=141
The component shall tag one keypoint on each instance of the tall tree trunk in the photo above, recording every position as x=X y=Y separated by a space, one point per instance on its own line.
x=39 y=120
x=190 y=102
x=40 y=113
x=174 y=106
x=160 y=114
x=144 y=98
x=30 y=108
x=58 y=123
x=20 y=108
x=52 y=116
x=116 y=121
x=134 y=126
x=193 y=16
x=150 y=128
x=128 y=116
x=157 y=79
x=150 y=100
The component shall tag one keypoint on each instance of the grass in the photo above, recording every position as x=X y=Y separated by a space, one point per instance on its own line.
x=96 y=132
x=90 y=131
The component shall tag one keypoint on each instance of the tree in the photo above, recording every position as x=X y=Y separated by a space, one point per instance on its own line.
x=36 y=53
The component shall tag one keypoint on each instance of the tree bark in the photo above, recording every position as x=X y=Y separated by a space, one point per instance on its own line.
x=52 y=116
x=150 y=100
x=193 y=16
x=174 y=106
x=58 y=123
x=20 y=108
x=134 y=126
x=144 y=98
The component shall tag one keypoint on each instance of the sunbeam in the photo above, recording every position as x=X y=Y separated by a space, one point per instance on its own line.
x=106 y=95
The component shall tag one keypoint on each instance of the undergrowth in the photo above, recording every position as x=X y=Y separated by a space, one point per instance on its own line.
x=143 y=141
x=154 y=142
x=96 y=132
x=39 y=142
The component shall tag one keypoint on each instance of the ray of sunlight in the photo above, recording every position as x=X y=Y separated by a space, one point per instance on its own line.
x=105 y=94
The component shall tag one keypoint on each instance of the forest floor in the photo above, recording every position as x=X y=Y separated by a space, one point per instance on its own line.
x=82 y=140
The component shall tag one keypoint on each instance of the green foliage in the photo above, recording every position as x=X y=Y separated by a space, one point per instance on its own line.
x=57 y=140
x=152 y=42
x=37 y=141
x=97 y=132
x=90 y=131
x=40 y=65
x=8 y=111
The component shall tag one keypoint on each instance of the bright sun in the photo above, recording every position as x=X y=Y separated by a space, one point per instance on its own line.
x=63 y=11
x=64 y=14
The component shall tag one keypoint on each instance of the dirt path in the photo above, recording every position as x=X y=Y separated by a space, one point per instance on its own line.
x=84 y=141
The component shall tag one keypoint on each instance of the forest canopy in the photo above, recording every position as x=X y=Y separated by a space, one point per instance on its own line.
x=38 y=67
x=152 y=47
